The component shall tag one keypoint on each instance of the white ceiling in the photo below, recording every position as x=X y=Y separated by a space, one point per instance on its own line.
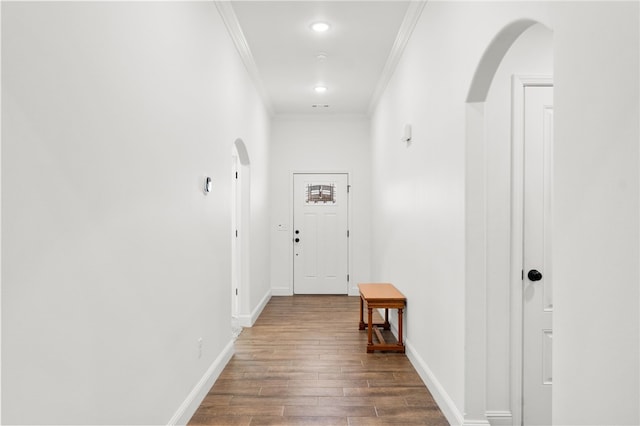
x=280 y=50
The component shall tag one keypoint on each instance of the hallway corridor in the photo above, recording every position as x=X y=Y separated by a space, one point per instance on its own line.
x=304 y=362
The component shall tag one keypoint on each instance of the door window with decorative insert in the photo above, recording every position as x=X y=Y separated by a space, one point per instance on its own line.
x=321 y=193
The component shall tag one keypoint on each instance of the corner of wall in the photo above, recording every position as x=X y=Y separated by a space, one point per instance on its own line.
x=249 y=320
x=258 y=310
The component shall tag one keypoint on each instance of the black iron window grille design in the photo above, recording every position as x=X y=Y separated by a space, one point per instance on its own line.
x=321 y=194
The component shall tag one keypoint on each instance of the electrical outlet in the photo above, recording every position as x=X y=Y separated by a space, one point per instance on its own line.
x=199 y=347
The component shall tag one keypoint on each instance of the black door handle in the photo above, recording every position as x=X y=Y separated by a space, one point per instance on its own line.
x=534 y=275
x=297 y=240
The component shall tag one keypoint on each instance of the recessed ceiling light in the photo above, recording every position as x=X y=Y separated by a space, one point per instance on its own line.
x=321 y=56
x=320 y=89
x=320 y=27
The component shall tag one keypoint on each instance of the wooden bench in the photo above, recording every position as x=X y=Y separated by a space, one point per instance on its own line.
x=379 y=296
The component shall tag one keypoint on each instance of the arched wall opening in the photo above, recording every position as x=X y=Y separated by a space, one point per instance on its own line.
x=524 y=47
x=241 y=237
x=492 y=57
x=242 y=152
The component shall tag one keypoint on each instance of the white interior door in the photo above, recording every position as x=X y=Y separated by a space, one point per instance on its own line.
x=537 y=273
x=320 y=234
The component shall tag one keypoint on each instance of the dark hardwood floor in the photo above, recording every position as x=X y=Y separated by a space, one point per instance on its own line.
x=304 y=362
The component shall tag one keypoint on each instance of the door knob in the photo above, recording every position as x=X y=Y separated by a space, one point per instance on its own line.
x=297 y=231
x=534 y=275
x=297 y=240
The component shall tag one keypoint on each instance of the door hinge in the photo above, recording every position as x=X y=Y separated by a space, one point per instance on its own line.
x=236 y=233
x=522 y=274
x=347 y=277
x=236 y=175
x=236 y=291
x=347 y=233
x=348 y=188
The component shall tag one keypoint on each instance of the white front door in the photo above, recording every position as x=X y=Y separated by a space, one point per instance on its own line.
x=537 y=269
x=320 y=234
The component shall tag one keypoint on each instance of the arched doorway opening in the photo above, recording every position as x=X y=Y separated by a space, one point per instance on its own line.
x=240 y=236
x=494 y=176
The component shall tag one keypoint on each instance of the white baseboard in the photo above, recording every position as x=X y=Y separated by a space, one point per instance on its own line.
x=281 y=291
x=442 y=398
x=286 y=291
x=248 y=320
x=195 y=397
x=244 y=321
x=499 y=418
x=258 y=310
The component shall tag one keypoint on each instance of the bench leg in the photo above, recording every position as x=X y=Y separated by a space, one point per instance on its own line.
x=400 y=327
x=362 y=325
x=370 y=331
x=387 y=325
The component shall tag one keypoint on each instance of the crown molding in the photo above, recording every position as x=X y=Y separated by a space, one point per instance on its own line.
x=404 y=34
x=235 y=31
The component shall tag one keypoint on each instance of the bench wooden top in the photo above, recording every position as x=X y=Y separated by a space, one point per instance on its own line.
x=380 y=291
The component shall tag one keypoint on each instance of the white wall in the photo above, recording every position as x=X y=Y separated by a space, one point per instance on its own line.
x=596 y=352
x=418 y=225
x=319 y=144
x=419 y=221
x=114 y=261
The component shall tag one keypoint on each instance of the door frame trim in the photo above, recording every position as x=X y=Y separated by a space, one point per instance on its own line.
x=519 y=83
x=291 y=215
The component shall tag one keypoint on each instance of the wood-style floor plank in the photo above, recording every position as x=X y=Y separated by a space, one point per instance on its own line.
x=304 y=362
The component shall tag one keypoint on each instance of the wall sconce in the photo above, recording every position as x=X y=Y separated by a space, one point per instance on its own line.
x=406 y=137
x=208 y=185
